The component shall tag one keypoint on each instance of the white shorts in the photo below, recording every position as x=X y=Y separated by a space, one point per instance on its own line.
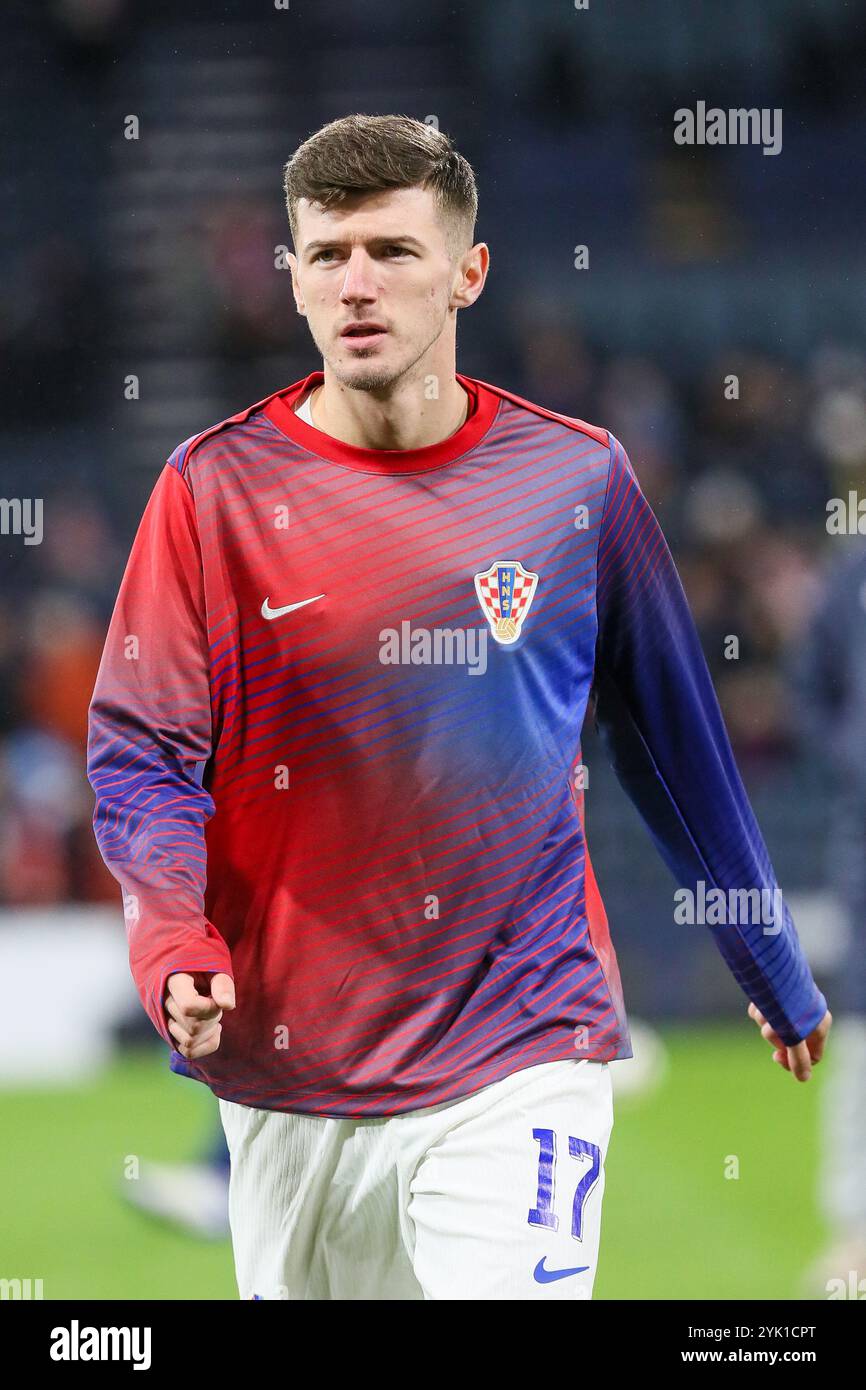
x=494 y=1196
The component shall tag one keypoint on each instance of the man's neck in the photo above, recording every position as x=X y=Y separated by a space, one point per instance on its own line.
x=405 y=420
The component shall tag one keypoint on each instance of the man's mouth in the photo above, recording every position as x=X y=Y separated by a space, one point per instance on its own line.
x=362 y=334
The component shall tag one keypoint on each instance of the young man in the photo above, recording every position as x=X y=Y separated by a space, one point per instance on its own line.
x=335 y=744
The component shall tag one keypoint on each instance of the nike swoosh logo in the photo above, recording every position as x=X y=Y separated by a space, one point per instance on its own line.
x=270 y=613
x=547 y=1276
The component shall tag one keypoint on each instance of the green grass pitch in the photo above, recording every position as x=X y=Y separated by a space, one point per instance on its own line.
x=673 y=1225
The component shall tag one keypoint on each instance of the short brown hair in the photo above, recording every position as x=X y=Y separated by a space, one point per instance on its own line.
x=367 y=154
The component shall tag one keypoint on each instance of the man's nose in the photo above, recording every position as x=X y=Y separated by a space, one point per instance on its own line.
x=359 y=281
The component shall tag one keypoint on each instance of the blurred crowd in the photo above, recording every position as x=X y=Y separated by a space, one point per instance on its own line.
x=738 y=454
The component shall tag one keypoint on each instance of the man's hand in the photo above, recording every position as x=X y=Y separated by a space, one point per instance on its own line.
x=797 y=1059
x=195 y=1005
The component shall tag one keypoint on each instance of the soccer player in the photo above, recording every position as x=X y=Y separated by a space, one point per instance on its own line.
x=335 y=745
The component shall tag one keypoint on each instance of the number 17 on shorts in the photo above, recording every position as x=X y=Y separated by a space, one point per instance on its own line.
x=570 y=1191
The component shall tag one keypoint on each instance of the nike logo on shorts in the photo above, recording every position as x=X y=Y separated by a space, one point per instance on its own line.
x=547 y=1276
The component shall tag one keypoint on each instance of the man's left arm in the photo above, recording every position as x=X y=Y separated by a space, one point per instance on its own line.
x=659 y=717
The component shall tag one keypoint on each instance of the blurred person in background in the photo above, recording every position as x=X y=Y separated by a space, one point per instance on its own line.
x=50 y=644
x=828 y=672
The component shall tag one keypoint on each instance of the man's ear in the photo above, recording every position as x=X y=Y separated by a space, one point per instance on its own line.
x=296 y=289
x=473 y=267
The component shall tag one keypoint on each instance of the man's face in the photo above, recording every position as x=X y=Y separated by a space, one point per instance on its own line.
x=382 y=260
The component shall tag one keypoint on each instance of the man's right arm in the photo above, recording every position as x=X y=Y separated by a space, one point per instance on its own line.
x=149 y=733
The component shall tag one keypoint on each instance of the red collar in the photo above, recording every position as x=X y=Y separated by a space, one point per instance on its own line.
x=483 y=405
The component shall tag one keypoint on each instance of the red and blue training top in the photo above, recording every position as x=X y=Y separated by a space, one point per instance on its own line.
x=335 y=746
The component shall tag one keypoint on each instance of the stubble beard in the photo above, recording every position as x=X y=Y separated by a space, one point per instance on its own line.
x=368 y=378
x=375 y=376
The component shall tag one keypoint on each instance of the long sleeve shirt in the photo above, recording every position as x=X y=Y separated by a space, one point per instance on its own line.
x=335 y=746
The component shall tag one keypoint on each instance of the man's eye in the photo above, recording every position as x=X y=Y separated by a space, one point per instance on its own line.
x=399 y=250
x=319 y=254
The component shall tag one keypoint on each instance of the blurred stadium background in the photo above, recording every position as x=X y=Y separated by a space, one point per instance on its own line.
x=153 y=258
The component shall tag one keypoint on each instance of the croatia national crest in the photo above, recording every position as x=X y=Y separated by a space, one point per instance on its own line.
x=505 y=592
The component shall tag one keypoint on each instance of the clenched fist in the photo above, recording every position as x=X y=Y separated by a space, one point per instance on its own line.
x=195 y=1005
